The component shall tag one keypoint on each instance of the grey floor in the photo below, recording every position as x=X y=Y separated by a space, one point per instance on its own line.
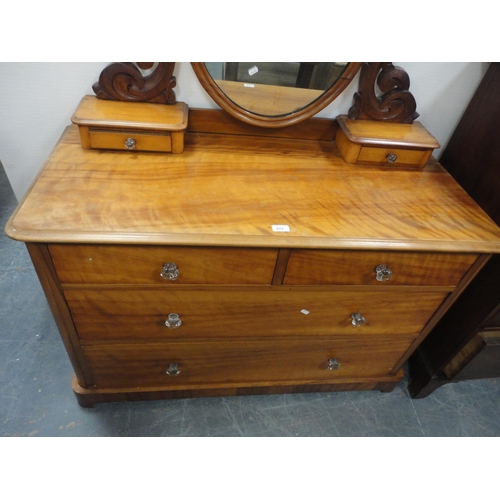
x=36 y=398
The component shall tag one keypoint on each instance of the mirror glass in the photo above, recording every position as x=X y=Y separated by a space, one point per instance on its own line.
x=273 y=89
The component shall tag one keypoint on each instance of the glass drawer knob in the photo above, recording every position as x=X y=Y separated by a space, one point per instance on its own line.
x=383 y=273
x=173 y=369
x=173 y=321
x=391 y=157
x=357 y=319
x=130 y=143
x=170 y=271
x=333 y=364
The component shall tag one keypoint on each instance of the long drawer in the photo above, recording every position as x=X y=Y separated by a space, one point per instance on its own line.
x=142 y=264
x=148 y=314
x=181 y=364
x=327 y=267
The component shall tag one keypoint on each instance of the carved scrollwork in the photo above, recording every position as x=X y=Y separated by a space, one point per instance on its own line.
x=396 y=104
x=126 y=82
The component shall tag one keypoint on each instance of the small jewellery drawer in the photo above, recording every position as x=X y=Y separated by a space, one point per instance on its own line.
x=130 y=140
x=182 y=364
x=327 y=267
x=392 y=156
x=131 y=126
x=149 y=314
x=127 y=264
x=383 y=143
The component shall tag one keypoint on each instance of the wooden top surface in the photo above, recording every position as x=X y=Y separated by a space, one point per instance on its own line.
x=229 y=190
x=372 y=133
x=93 y=112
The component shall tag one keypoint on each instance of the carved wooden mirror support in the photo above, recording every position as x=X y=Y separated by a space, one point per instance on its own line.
x=154 y=82
x=397 y=103
x=138 y=82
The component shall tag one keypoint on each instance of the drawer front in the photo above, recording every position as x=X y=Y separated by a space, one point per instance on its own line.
x=326 y=267
x=108 y=264
x=393 y=156
x=143 y=365
x=145 y=314
x=138 y=141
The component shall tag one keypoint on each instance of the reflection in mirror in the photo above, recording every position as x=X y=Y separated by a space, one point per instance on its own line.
x=275 y=89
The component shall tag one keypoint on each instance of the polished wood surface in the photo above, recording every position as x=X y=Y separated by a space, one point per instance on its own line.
x=88 y=398
x=143 y=264
x=315 y=267
x=99 y=139
x=369 y=142
x=230 y=191
x=93 y=112
x=106 y=124
x=103 y=314
x=380 y=156
x=217 y=121
x=372 y=133
x=261 y=309
x=242 y=362
x=60 y=311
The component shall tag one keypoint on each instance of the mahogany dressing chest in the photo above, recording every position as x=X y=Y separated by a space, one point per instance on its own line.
x=256 y=261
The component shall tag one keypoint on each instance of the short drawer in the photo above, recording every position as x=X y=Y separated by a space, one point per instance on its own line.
x=238 y=362
x=393 y=156
x=113 y=264
x=326 y=267
x=146 y=314
x=369 y=142
x=130 y=140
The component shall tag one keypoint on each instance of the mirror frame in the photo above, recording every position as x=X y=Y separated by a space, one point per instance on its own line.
x=246 y=116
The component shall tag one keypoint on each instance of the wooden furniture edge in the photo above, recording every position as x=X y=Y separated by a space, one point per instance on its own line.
x=217 y=121
x=138 y=125
x=88 y=398
x=253 y=241
x=46 y=274
x=387 y=141
x=281 y=265
x=452 y=297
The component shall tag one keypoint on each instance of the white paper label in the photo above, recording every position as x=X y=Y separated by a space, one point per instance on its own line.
x=281 y=228
x=253 y=70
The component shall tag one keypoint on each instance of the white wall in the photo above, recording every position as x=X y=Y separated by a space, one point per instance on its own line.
x=38 y=99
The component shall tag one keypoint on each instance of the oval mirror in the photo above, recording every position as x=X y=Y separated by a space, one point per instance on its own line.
x=274 y=94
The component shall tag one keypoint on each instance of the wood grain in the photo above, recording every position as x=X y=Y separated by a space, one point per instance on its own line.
x=242 y=362
x=59 y=308
x=111 y=139
x=217 y=121
x=230 y=192
x=404 y=157
x=88 y=398
x=93 y=112
x=398 y=135
x=317 y=267
x=104 y=314
x=142 y=264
